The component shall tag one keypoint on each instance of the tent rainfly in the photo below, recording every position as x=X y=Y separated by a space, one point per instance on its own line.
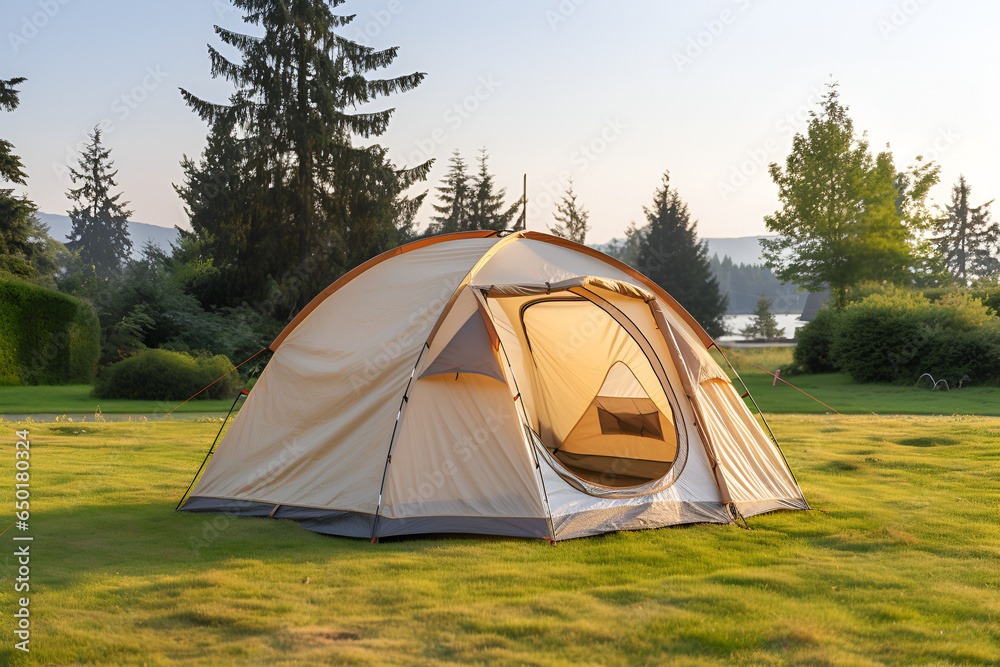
x=515 y=384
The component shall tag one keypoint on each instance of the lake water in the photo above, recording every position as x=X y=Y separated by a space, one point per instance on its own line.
x=788 y=322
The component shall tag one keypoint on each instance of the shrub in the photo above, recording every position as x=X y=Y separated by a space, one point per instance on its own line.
x=989 y=296
x=164 y=375
x=878 y=341
x=813 y=341
x=46 y=337
x=951 y=354
x=897 y=335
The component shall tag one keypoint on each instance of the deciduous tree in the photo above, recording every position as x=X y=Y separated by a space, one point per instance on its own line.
x=838 y=224
x=913 y=187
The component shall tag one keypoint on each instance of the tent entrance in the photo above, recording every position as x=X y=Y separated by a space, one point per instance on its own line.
x=599 y=408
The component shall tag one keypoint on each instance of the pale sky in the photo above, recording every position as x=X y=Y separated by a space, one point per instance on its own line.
x=611 y=94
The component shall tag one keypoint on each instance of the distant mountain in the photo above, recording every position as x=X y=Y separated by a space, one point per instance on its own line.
x=139 y=232
x=742 y=250
x=737 y=265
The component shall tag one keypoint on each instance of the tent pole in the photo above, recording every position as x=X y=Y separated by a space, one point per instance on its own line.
x=524 y=203
x=531 y=448
x=761 y=414
x=392 y=439
x=211 y=449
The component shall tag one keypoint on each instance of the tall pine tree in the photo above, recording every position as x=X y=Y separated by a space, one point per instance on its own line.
x=455 y=195
x=487 y=209
x=571 y=218
x=764 y=324
x=16 y=213
x=27 y=251
x=11 y=167
x=318 y=203
x=99 y=218
x=673 y=257
x=227 y=234
x=967 y=237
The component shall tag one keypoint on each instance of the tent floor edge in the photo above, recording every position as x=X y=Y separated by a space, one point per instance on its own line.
x=533 y=527
x=640 y=516
x=341 y=523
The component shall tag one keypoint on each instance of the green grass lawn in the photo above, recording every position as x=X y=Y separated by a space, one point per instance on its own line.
x=903 y=570
x=836 y=390
x=845 y=395
x=76 y=399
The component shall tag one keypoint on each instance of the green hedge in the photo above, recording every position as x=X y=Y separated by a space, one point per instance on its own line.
x=897 y=335
x=46 y=337
x=813 y=342
x=165 y=375
x=989 y=296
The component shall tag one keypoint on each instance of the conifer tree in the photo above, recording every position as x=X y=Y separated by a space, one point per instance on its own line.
x=764 y=324
x=967 y=236
x=671 y=255
x=455 y=195
x=99 y=218
x=222 y=204
x=26 y=249
x=571 y=218
x=487 y=209
x=11 y=167
x=16 y=213
x=315 y=199
x=627 y=250
x=406 y=217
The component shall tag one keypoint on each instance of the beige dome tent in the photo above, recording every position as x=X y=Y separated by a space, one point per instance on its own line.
x=507 y=385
